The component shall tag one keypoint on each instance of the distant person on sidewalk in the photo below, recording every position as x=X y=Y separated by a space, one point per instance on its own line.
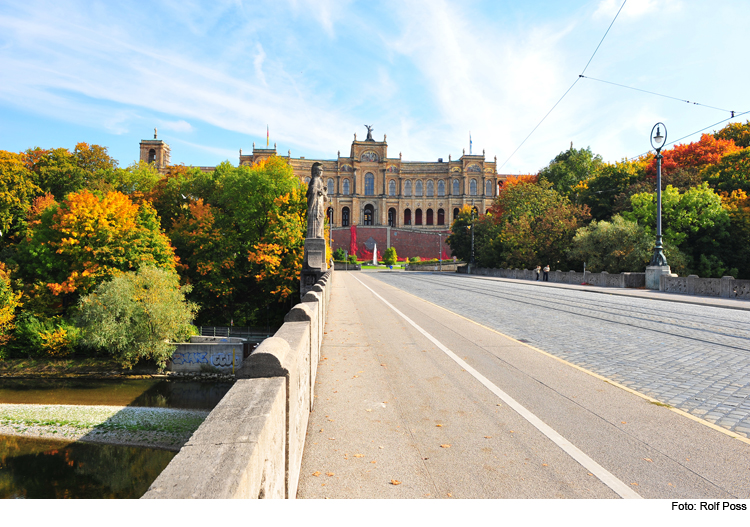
x=546 y=273
x=538 y=271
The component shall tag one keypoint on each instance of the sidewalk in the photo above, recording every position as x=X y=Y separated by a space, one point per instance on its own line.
x=714 y=301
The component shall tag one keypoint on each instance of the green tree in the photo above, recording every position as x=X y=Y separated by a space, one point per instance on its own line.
x=9 y=302
x=695 y=222
x=16 y=193
x=137 y=316
x=613 y=246
x=485 y=229
x=569 y=168
x=609 y=181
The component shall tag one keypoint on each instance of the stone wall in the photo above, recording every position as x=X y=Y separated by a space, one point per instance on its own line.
x=446 y=267
x=251 y=444
x=725 y=287
x=602 y=279
x=408 y=242
x=205 y=353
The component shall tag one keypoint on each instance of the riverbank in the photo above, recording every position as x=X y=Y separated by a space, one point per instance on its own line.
x=163 y=428
x=94 y=368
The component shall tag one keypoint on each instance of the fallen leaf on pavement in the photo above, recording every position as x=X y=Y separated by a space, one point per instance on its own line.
x=395 y=482
x=329 y=474
x=316 y=473
x=488 y=437
x=438 y=426
x=359 y=455
x=648 y=459
x=445 y=446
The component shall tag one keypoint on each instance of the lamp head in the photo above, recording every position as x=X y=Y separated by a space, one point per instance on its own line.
x=657 y=139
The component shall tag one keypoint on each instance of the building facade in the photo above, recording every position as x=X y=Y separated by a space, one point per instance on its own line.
x=368 y=188
x=386 y=196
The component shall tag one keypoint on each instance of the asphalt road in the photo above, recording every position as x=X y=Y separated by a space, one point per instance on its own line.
x=416 y=401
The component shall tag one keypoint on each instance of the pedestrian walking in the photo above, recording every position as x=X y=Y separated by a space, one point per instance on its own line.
x=546 y=273
x=538 y=272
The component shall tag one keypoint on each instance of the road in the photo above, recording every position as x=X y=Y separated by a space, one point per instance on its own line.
x=429 y=397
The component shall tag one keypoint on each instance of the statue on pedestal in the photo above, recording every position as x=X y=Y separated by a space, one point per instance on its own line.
x=369 y=133
x=317 y=195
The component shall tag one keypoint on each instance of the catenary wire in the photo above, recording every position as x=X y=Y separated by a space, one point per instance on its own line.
x=693 y=133
x=566 y=91
x=659 y=94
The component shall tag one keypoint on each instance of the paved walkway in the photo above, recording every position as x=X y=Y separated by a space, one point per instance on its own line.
x=692 y=353
x=397 y=416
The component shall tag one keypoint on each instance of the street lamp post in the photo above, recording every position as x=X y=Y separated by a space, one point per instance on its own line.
x=440 y=253
x=658 y=264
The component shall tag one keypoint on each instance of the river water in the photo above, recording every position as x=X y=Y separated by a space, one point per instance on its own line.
x=43 y=468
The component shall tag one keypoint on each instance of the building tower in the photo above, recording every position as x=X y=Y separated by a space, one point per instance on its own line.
x=155 y=151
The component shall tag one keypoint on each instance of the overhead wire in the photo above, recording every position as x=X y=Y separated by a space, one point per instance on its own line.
x=568 y=90
x=659 y=94
x=734 y=115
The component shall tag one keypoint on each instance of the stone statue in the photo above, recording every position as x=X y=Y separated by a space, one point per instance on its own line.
x=154 y=133
x=369 y=133
x=316 y=198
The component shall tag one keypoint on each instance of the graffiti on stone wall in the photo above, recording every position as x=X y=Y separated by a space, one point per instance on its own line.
x=190 y=357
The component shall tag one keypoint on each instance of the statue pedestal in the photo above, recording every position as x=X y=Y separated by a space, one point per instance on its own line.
x=653 y=272
x=314 y=264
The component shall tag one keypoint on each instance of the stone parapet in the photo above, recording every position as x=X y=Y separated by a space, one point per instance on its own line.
x=725 y=287
x=603 y=279
x=251 y=444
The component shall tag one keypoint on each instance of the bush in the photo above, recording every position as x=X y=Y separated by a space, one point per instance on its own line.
x=352 y=259
x=390 y=257
x=339 y=255
x=415 y=259
x=44 y=338
x=138 y=316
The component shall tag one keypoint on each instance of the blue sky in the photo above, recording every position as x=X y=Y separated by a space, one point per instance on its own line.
x=212 y=75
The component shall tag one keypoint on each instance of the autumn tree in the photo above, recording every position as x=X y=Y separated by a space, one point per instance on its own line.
x=731 y=173
x=9 y=302
x=610 y=180
x=737 y=132
x=74 y=246
x=707 y=151
x=737 y=205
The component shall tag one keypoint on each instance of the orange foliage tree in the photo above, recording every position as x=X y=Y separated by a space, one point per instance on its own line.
x=85 y=240
x=707 y=151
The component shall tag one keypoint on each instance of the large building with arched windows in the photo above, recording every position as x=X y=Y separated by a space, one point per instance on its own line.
x=387 y=197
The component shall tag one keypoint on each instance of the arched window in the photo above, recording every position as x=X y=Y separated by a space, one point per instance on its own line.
x=391 y=217
x=429 y=217
x=418 y=188
x=407 y=188
x=329 y=213
x=392 y=188
x=418 y=217
x=430 y=188
x=346 y=187
x=151 y=155
x=488 y=189
x=441 y=188
x=455 y=213
x=441 y=217
x=473 y=187
x=407 y=216
x=345 y=217
x=369 y=184
x=456 y=188
x=330 y=186
x=369 y=214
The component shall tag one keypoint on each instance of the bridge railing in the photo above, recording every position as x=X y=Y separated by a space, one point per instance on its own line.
x=250 y=445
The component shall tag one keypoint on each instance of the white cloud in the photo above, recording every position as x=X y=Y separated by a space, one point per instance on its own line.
x=180 y=126
x=607 y=9
x=260 y=56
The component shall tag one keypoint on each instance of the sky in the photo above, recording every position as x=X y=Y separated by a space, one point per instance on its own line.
x=213 y=76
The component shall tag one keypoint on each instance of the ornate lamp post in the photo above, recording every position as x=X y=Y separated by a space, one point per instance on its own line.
x=658 y=265
x=657 y=142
